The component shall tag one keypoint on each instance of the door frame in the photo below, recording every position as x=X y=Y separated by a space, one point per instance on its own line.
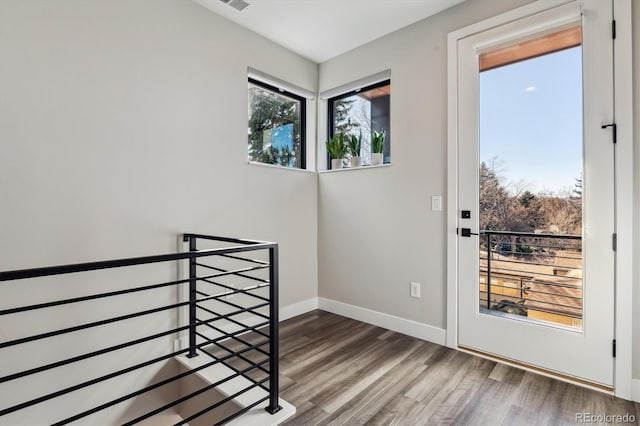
x=623 y=92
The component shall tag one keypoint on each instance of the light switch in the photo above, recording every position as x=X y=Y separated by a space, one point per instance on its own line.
x=436 y=203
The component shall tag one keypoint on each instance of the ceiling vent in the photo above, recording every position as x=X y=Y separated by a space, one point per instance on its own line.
x=238 y=5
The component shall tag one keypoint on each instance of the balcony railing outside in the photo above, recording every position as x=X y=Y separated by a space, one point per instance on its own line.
x=211 y=286
x=538 y=276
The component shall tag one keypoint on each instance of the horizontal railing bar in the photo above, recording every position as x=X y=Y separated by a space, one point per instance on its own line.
x=221 y=331
x=88 y=383
x=569 y=246
x=89 y=325
x=90 y=355
x=571 y=314
x=117 y=263
x=483 y=273
x=220 y=298
x=238 y=274
x=113 y=293
x=544 y=302
x=221 y=346
x=555 y=284
x=529 y=255
x=240 y=308
x=501 y=270
x=527 y=290
x=568 y=308
x=234 y=290
x=249 y=378
x=505 y=287
x=243 y=358
x=261 y=262
x=255 y=328
x=201 y=293
x=533 y=263
x=247 y=329
x=185 y=237
x=186 y=398
x=529 y=282
x=228 y=318
x=90 y=297
x=563 y=296
x=547 y=311
x=219 y=403
x=528 y=234
x=143 y=390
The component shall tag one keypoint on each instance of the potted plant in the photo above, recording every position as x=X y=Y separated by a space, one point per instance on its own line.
x=377 y=147
x=355 y=145
x=337 y=149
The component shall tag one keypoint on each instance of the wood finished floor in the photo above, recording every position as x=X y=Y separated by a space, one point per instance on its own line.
x=338 y=371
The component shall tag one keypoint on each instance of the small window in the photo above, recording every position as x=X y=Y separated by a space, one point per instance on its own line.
x=363 y=112
x=276 y=130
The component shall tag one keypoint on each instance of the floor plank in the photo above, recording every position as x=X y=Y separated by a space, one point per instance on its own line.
x=338 y=371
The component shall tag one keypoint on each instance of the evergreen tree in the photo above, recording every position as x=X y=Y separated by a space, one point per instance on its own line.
x=342 y=116
x=269 y=110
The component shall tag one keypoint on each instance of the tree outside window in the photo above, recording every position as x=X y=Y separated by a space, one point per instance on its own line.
x=276 y=126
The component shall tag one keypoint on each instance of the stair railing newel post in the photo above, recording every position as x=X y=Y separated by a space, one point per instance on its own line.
x=192 y=298
x=274 y=347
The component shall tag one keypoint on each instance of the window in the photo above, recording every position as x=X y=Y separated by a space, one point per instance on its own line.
x=276 y=131
x=363 y=111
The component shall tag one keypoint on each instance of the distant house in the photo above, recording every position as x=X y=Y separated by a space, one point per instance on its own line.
x=549 y=292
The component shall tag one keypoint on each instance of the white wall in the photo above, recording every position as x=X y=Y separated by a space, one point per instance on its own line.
x=376 y=230
x=123 y=124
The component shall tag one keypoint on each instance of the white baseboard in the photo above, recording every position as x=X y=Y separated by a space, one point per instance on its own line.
x=390 y=322
x=635 y=390
x=298 y=308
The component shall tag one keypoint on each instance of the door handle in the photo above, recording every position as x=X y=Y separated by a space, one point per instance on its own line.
x=466 y=232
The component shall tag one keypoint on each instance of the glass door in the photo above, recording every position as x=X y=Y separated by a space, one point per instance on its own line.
x=536 y=182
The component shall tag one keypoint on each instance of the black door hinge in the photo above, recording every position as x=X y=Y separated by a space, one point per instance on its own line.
x=615 y=242
x=614 y=130
x=613 y=29
x=614 y=348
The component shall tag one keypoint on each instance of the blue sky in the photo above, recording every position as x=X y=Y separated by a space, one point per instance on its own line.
x=531 y=120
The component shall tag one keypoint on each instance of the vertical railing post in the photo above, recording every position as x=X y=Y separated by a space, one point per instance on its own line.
x=488 y=270
x=192 y=298
x=274 y=340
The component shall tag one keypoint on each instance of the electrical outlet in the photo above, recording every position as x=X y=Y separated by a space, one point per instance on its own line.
x=415 y=290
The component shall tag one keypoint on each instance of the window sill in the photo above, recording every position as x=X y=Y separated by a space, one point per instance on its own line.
x=346 y=169
x=274 y=166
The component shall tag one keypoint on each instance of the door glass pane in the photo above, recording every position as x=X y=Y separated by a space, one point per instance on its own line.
x=530 y=174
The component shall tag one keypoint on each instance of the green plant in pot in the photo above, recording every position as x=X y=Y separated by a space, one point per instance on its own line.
x=377 y=147
x=337 y=149
x=355 y=145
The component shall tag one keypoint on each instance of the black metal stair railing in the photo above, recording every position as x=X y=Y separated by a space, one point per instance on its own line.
x=524 y=272
x=233 y=346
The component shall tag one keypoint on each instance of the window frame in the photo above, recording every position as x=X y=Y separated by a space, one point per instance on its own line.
x=331 y=114
x=303 y=121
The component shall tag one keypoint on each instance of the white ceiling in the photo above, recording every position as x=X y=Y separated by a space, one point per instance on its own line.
x=322 y=29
